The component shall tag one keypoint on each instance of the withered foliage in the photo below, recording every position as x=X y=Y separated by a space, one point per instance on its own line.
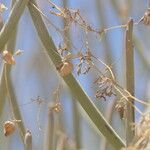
x=121 y=107
x=85 y=63
x=71 y=16
x=105 y=88
x=142 y=135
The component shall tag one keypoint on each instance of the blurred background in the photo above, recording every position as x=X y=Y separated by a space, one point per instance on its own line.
x=34 y=74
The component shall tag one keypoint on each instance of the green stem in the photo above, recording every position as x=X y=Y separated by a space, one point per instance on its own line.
x=72 y=83
x=129 y=81
x=50 y=133
x=76 y=123
x=2 y=89
x=12 y=97
x=2 y=83
x=13 y=103
x=12 y=22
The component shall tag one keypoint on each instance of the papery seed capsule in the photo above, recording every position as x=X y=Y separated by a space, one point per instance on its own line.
x=65 y=69
x=9 y=128
x=8 y=57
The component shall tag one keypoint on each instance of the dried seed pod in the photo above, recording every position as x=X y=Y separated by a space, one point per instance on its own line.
x=65 y=68
x=8 y=57
x=9 y=127
x=146 y=18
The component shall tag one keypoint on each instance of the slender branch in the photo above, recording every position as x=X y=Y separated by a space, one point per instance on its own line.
x=129 y=81
x=72 y=83
x=9 y=87
x=13 y=103
x=2 y=83
x=10 y=25
x=76 y=123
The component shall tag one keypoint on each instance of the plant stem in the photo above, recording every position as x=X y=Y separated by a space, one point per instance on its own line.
x=10 y=90
x=72 y=83
x=129 y=81
x=13 y=103
x=28 y=140
x=10 y=25
x=75 y=110
x=2 y=83
x=76 y=123
x=50 y=133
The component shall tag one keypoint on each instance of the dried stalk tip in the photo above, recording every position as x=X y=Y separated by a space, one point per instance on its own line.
x=28 y=140
x=65 y=68
x=8 y=57
x=9 y=128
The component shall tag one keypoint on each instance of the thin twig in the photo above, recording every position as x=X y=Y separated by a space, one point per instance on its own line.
x=10 y=25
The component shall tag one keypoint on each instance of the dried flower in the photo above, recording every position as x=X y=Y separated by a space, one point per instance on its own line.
x=8 y=57
x=105 y=88
x=9 y=127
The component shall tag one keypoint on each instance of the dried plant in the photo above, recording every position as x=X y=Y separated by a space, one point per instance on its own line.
x=62 y=57
x=142 y=134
